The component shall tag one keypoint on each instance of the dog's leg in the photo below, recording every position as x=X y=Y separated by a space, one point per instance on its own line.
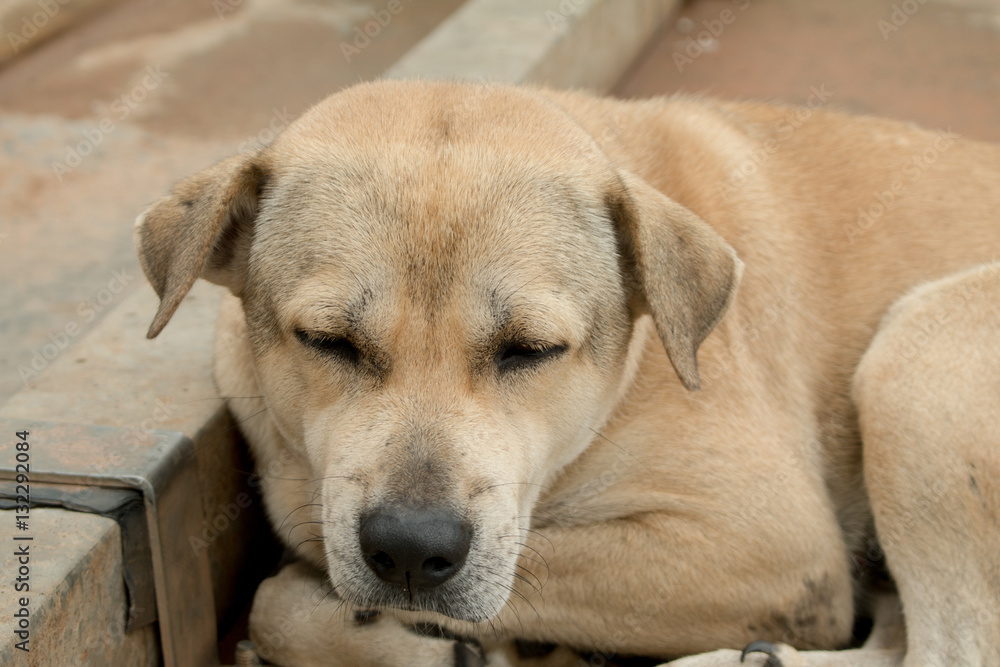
x=885 y=647
x=762 y=654
x=297 y=621
x=928 y=394
x=641 y=586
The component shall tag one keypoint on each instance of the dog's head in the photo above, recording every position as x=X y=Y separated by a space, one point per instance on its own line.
x=440 y=284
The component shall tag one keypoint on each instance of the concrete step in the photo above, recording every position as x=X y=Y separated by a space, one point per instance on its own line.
x=933 y=62
x=74 y=563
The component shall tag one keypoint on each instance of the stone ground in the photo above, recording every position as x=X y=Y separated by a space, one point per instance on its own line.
x=935 y=62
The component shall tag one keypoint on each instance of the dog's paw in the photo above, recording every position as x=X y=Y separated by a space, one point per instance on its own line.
x=767 y=648
x=297 y=621
x=766 y=654
x=756 y=654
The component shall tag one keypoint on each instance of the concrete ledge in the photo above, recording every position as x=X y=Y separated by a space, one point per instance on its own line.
x=75 y=564
x=560 y=43
x=116 y=377
x=161 y=508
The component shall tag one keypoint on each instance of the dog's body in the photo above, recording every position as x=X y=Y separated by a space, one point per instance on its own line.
x=455 y=303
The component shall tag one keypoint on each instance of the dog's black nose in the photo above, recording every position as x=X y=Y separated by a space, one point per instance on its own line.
x=414 y=547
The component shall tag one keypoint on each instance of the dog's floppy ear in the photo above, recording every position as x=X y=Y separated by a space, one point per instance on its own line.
x=203 y=228
x=683 y=270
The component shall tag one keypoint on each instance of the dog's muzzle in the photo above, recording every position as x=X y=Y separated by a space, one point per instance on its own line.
x=414 y=547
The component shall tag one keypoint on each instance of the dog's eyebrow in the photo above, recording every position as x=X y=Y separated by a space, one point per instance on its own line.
x=338 y=319
x=347 y=313
x=499 y=307
x=500 y=304
x=513 y=321
x=354 y=313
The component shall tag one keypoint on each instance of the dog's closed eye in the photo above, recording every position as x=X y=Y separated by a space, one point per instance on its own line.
x=521 y=355
x=334 y=346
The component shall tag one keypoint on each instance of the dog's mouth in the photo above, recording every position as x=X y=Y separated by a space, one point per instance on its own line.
x=426 y=559
x=447 y=601
x=471 y=595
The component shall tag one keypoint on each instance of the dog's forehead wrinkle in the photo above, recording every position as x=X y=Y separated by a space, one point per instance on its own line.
x=436 y=224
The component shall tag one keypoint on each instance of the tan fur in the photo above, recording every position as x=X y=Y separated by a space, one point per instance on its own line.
x=431 y=223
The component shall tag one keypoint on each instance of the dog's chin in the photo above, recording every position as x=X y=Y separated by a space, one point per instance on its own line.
x=453 y=599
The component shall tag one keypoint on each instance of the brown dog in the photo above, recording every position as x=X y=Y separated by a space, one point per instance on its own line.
x=471 y=315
